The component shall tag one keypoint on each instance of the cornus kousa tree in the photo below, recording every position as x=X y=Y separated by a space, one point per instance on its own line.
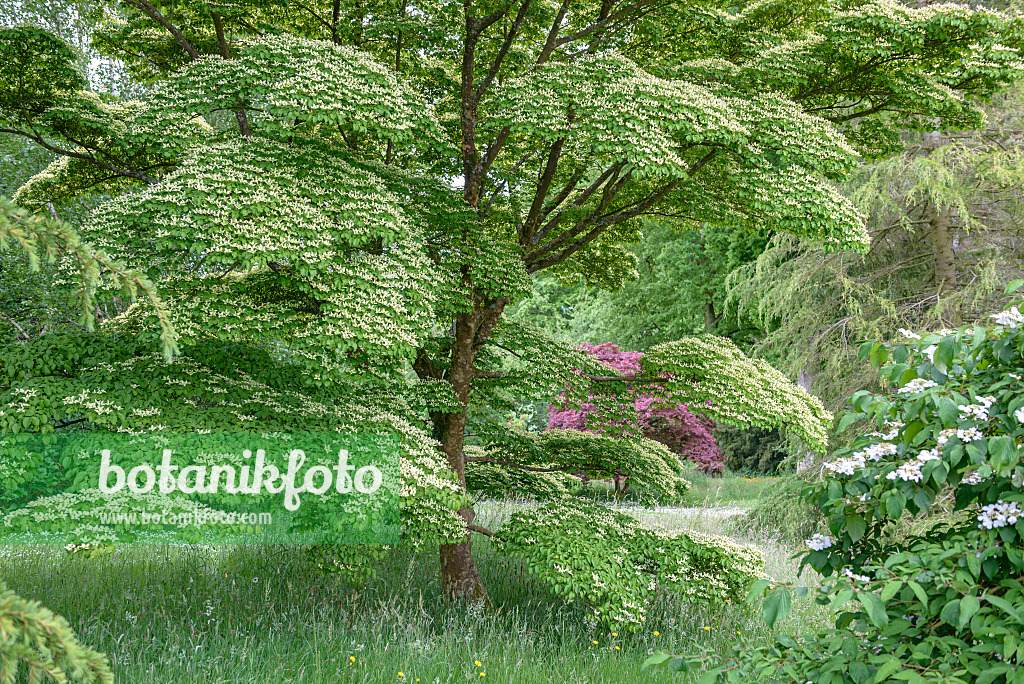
x=656 y=416
x=946 y=601
x=329 y=195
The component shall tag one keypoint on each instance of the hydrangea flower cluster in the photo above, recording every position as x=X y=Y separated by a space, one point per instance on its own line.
x=819 y=542
x=978 y=411
x=875 y=452
x=973 y=477
x=999 y=514
x=963 y=417
x=917 y=385
x=911 y=470
x=1010 y=318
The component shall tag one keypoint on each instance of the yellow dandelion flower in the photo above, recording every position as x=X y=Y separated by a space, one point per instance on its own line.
x=615 y=634
x=617 y=648
x=482 y=674
x=352 y=659
x=595 y=642
x=477 y=663
x=657 y=634
x=707 y=628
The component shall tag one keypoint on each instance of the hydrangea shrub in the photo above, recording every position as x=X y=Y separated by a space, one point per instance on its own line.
x=943 y=604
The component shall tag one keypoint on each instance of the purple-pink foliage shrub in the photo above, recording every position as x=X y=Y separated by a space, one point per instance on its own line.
x=657 y=416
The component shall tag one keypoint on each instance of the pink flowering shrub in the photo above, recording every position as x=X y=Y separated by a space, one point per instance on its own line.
x=655 y=416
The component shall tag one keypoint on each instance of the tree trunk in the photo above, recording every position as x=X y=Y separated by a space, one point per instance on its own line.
x=710 y=317
x=942 y=247
x=939 y=232
x=459 y=575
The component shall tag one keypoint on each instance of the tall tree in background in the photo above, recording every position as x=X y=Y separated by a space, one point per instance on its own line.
x=679 y=290
x=946 y=224
x=288 y=180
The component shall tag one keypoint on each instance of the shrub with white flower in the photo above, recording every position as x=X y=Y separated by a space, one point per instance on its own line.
x=947 y=603
x=613 y=564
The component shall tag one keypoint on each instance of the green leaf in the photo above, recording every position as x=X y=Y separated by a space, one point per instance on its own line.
x=894 y=505
x=944 y=353
x=891 y=589
x=948 y=411
x=848 y=420
x=855 y=527
x=710 y=677
x=656 y=660
x=874 y=608
x=757 y=589
x=887 y=669
x=679 y=665
x=776 y=605
x=968 y=607
x=919 y=591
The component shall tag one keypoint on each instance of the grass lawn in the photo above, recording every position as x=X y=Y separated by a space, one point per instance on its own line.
x=257 y=615
x=731 y=490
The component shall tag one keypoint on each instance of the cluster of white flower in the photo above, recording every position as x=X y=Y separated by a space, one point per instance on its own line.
x=1019 y=415
x=999 y=514
x=908 y=472
x=979 y=410
x=875 y=452
x=917 y=385
x=846 y=466
x=973 y=477
x=857 y=578
x=945 y=436
x=908 y=334
x=819 y=542
x=1008 y=318
x=911 y=470
x=969 y=435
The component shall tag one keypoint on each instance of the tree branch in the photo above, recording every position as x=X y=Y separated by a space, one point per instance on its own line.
x=602 y=23
x=39 y=140
x=225 y=51
x=584 y=196
x=153 y=13
x=556 y=26
x=513 y=32
x=547 y=176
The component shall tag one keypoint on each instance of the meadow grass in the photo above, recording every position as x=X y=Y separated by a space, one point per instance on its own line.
x=730 y=490
x=265 y=614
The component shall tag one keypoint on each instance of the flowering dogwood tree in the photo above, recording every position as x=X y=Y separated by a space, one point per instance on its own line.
x=287 y=184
